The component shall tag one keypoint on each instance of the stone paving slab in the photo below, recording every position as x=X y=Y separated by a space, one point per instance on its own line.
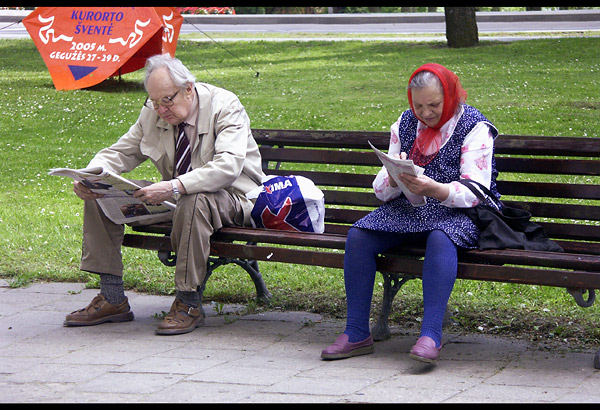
x=271 y=357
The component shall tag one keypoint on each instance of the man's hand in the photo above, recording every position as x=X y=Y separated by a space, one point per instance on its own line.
x=156 y=193
x=84 y=192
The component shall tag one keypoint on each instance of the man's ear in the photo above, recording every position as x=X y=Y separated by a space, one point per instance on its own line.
x=189 y=88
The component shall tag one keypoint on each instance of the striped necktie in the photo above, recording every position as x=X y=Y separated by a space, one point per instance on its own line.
x=182 y=152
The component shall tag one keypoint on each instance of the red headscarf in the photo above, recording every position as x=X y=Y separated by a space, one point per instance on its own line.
x=454 y=94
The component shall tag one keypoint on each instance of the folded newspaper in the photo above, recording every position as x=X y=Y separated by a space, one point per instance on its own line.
x=397 y=166
x=118 y=202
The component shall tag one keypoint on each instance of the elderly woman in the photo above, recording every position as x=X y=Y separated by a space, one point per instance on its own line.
x=450 y=140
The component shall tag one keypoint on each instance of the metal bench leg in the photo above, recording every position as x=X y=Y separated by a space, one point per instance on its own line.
x=578 y=295
x=392 y=283
x=262 y=293
x=167 y=258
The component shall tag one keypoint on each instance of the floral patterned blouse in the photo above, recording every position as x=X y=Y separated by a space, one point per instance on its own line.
x=467 y=151
x=475 y=162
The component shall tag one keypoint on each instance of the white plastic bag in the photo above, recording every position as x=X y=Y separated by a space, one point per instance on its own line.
x=289 y=203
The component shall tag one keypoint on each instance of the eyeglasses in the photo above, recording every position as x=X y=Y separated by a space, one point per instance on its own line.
x=165 y=102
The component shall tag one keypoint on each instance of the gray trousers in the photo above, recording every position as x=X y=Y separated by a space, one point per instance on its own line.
x=196 y=218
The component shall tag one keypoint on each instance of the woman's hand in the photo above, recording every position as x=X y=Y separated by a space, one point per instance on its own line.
x=401 y=156
x=425 y=186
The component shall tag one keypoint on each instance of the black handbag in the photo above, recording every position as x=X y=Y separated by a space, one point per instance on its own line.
x=503 y=227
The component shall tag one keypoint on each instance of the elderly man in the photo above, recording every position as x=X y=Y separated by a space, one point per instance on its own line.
x=198 y=136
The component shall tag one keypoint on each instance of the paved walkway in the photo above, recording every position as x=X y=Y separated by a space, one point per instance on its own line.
x=266 y=358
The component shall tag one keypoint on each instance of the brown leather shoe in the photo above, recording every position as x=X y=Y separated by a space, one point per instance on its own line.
x=181 y=319
x=99 y=311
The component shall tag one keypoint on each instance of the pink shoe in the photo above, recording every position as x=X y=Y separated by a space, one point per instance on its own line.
x=425 y=350
x=342 y=348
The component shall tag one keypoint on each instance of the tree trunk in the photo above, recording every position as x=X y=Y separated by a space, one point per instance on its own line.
x=461 y=27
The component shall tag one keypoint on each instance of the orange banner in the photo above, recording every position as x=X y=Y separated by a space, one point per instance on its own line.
x=83 y=46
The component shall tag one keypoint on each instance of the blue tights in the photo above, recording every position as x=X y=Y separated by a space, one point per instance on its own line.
x=439 y=275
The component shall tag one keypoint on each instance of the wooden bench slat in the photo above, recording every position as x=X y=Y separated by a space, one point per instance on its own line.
x=149 y=242
x=485 y=272
x=276 y=254
x=529 y=276
x=350 y=198
x=542 y=210
x=321 y=138
x=566 y=211
x=547 y=145
x=556 y=260
x=548 y=190
x=343 y=216
x=333 y=241
x=319 y=156
x=230 y=233
x=572 y=231
x=365 y=158
x=548 y=166
x=504 y=144
x=330 y=178
x=588 y=248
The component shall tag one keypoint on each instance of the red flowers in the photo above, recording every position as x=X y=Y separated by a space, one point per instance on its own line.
x=205 y=10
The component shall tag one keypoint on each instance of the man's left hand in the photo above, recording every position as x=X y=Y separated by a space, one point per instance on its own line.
x=156 y=193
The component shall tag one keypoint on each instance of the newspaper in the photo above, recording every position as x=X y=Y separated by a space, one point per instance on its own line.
x=118 y=202
x=397 y=166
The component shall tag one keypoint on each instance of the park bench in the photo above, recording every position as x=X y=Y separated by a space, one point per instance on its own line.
x=555 y=178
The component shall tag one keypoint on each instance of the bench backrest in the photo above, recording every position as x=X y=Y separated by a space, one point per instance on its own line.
x=555 y=178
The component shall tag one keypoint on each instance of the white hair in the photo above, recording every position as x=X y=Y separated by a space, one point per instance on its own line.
x=178 y=72
x=425 y=79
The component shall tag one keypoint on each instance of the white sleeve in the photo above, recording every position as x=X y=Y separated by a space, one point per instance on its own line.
x=475 y=164
x=381 y=185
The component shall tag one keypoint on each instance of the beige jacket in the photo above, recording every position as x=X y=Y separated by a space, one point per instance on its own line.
x=224 y=156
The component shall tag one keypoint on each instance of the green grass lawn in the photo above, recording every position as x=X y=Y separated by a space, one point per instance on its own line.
x=539 y=87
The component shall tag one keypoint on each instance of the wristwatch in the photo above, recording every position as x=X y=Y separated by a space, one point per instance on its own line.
x=176 y=193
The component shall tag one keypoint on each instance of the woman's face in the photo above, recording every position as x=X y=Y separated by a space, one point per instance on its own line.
x=428 y=103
